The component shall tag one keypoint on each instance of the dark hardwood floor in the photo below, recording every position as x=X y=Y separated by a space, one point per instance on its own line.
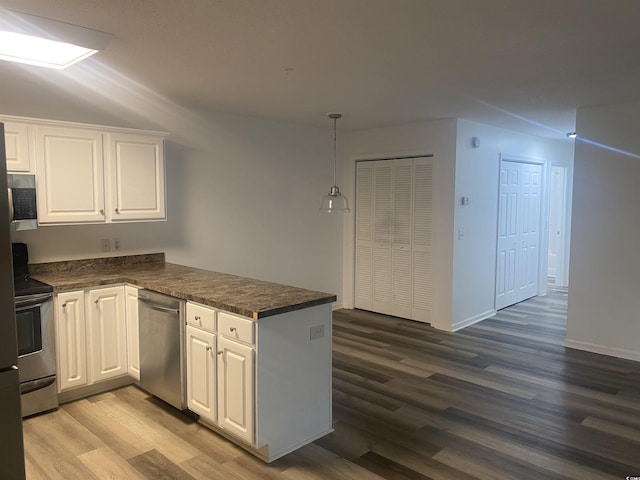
x=502 y=399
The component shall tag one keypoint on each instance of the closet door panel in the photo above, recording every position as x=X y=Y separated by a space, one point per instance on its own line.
x=364 y=236
x=422 y=283
x=394 y=211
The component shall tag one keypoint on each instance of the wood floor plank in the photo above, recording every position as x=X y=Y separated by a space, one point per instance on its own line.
x=615 y=429
x=50 y=425
x=420 y=462
x=48 y=457
x=203 y=467
x=313 y=462
x=105 y=463
x=164 y=440
x=154 y=465
x=388 y=468
x=108 y=428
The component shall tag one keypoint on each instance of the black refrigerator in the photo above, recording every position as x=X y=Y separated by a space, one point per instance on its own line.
x=11 y=443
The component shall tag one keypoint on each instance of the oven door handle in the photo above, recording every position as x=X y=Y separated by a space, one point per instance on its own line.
x=31 y=300
x=10 y=195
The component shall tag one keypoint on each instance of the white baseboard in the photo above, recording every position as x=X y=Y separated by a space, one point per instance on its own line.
x=336 y=306
x=603 y=350
x=470 y=321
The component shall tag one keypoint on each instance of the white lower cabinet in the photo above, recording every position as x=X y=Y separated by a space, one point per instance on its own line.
x=71 y=340
x=272 y=376
x=235 y=388
x=220 y=379
x=106 y=333
x=201 y=373
x=91 y=336
x=265 y=384
x=133 y=337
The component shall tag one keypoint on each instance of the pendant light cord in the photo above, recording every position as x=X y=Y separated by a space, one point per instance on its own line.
x=335 y=119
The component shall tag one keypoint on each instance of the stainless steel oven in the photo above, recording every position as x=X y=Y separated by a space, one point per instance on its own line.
x=36 y=351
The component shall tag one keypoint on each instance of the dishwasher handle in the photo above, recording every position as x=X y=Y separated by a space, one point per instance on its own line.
x=157 y=307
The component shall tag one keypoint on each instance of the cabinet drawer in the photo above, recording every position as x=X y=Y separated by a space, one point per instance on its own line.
x=201 y=317
x=237 y=328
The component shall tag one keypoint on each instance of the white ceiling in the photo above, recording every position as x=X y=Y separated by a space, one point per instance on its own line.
x=380 y=62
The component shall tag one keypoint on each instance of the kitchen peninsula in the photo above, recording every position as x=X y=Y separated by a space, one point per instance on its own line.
x=270 y=394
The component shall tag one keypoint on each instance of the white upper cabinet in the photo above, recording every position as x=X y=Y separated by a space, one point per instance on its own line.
x=89 y=173
x=16 y=137
x=70 y=175
x=136 y=172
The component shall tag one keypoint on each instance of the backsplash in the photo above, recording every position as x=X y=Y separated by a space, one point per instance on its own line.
x=89 y=263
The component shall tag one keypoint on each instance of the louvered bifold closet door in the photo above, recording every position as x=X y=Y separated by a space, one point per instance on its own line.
x=393 y=237
x=401 y=268
x=421 y=243
x=364 y=236
x=382 y=238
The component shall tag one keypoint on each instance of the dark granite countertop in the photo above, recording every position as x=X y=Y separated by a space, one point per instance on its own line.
x=251 y=298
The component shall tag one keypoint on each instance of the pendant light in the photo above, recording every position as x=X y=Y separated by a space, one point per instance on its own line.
x=334 y=201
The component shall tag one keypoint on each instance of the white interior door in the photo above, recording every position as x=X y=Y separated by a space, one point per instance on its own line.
x=557 y=221
x=518 y=232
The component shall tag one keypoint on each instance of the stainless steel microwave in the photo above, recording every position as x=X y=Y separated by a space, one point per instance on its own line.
x=23 y=211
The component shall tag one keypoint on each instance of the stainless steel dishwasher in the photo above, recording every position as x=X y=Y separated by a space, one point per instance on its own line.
x=162 y=359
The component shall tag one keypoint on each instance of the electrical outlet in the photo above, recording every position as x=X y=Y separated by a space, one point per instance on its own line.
x=105 y=245
x=116 y=244
x=316 y=332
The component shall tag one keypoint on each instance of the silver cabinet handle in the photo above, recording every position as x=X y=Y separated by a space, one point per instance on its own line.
x=197 y=318
x=220 y=352
x=209 y=348
x=233 y=329
x=96 y=301
x=64 y=305
x=117 y=210
x=101 y=211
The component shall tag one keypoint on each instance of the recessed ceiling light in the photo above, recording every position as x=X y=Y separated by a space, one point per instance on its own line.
x=44 y=42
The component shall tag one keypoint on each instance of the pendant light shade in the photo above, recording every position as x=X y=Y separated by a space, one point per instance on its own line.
x=334 y=201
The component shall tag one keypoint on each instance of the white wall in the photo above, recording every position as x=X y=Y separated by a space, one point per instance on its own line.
x=437 y=138
x=605 y=265
x=477 y=175
x=243 y=197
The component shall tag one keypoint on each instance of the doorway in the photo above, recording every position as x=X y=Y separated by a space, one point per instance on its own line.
x=557 y=269
x=519 y=211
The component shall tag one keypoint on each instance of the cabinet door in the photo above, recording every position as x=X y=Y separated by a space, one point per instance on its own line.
x=71 y=340
x=201 y=373
x=16 y=138
x=70 y=179
x=235 y=388
x=133 y=338
x=136 y=172
x=107 y=333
